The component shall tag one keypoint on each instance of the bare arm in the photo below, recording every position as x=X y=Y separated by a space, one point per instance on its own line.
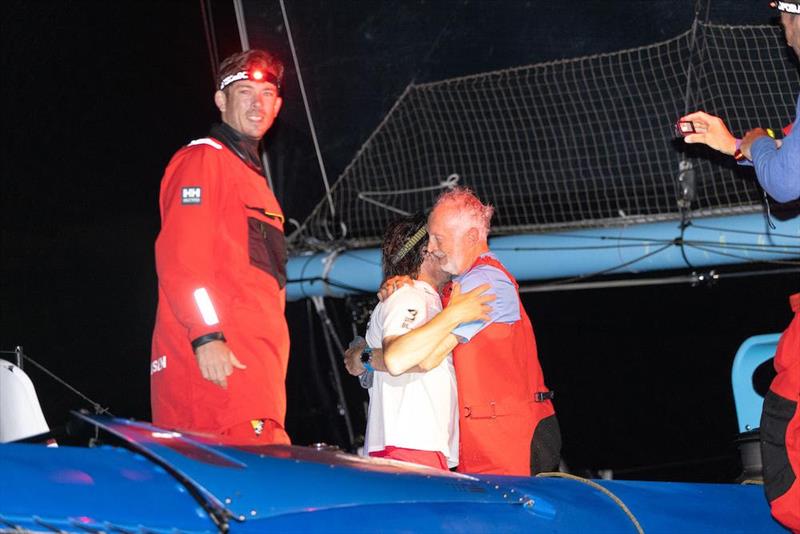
x=439 y=353
x=431 y=342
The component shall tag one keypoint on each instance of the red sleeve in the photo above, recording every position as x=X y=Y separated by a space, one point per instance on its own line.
x=191 y=205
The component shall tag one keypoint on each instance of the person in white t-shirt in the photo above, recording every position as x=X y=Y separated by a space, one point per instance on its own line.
x=413 y=416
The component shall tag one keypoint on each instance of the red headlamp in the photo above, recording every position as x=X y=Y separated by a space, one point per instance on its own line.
x=255 y=74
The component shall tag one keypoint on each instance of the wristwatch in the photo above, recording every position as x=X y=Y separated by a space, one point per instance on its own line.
x=366 y=358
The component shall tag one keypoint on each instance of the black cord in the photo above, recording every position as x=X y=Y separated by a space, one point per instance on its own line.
x=772 y=249
x=605 y=271
x=685 y=223
x=586 y=247
x=329 y=282
x=211 y=39
x=768 y=215
x=98 y=408
x=744 y=258
x=749 y=232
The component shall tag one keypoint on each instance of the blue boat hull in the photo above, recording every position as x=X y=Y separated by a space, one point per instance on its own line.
x=163 y=481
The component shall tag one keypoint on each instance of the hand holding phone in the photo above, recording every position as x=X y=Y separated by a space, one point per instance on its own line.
x=684 y=128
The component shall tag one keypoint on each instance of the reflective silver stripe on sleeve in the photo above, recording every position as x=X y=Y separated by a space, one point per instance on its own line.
x=207 y=310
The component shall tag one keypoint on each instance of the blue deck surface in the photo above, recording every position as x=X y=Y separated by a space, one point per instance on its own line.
x=71 y=487
x=298 y=489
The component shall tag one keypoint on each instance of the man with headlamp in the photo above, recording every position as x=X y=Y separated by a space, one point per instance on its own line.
x=221 y=343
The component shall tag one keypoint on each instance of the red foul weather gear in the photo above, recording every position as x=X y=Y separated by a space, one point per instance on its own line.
x=221 y=262
x=780 y=428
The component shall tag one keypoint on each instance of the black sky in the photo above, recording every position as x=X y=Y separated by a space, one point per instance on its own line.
x=98 y=95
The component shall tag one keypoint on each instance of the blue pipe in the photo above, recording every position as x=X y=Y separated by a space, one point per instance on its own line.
x=626 y=249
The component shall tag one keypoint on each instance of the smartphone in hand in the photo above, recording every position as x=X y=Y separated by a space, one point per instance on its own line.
x=684 y=128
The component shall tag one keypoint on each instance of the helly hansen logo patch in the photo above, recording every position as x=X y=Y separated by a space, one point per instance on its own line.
x=191 y=195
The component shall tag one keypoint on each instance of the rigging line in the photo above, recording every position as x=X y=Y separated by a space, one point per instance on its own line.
x=609 y=284
x=568 y=248
x=767 y=213
x=744 y=258
x=329 y=282
x=644 y=240
x=359 y=258
x=351 y=254
x=647 y=240
x=686 y=178
x=774 y=249
x=692 y=42
x=384 y=205
x=308 y=110
x=610 y=269
x=98 y=408
x=449 y=182
x=694 y=279
x=751 y=232
x=211 y=38
x=743 y=247
x=241 y=26
x=331 y=338
x=681 y=242
x=436 y=41
x=762 y=272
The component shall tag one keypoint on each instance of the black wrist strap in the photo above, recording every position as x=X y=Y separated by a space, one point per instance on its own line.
x=366 y=355
x=208 y=338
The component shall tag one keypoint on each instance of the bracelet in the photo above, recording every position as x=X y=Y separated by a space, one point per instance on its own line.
x=208 y=338
x=737 y=155
x=366 y=358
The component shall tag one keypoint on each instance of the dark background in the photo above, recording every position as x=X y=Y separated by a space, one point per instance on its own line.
x=98 y=96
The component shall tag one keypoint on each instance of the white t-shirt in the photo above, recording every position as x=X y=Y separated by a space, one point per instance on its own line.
x=413 y=410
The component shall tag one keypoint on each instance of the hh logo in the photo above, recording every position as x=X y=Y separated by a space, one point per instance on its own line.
x=191 y=195
x=159 y=364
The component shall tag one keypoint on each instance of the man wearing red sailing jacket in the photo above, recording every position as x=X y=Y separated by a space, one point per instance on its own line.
x=221 y=343
x=507 y=421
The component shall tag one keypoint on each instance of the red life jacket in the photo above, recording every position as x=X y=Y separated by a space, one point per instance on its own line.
x=499 y=377
x=787 y=357
x=786 y=507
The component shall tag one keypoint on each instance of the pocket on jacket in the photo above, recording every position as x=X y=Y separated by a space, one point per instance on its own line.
x=775 y=418
x=267 y=249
